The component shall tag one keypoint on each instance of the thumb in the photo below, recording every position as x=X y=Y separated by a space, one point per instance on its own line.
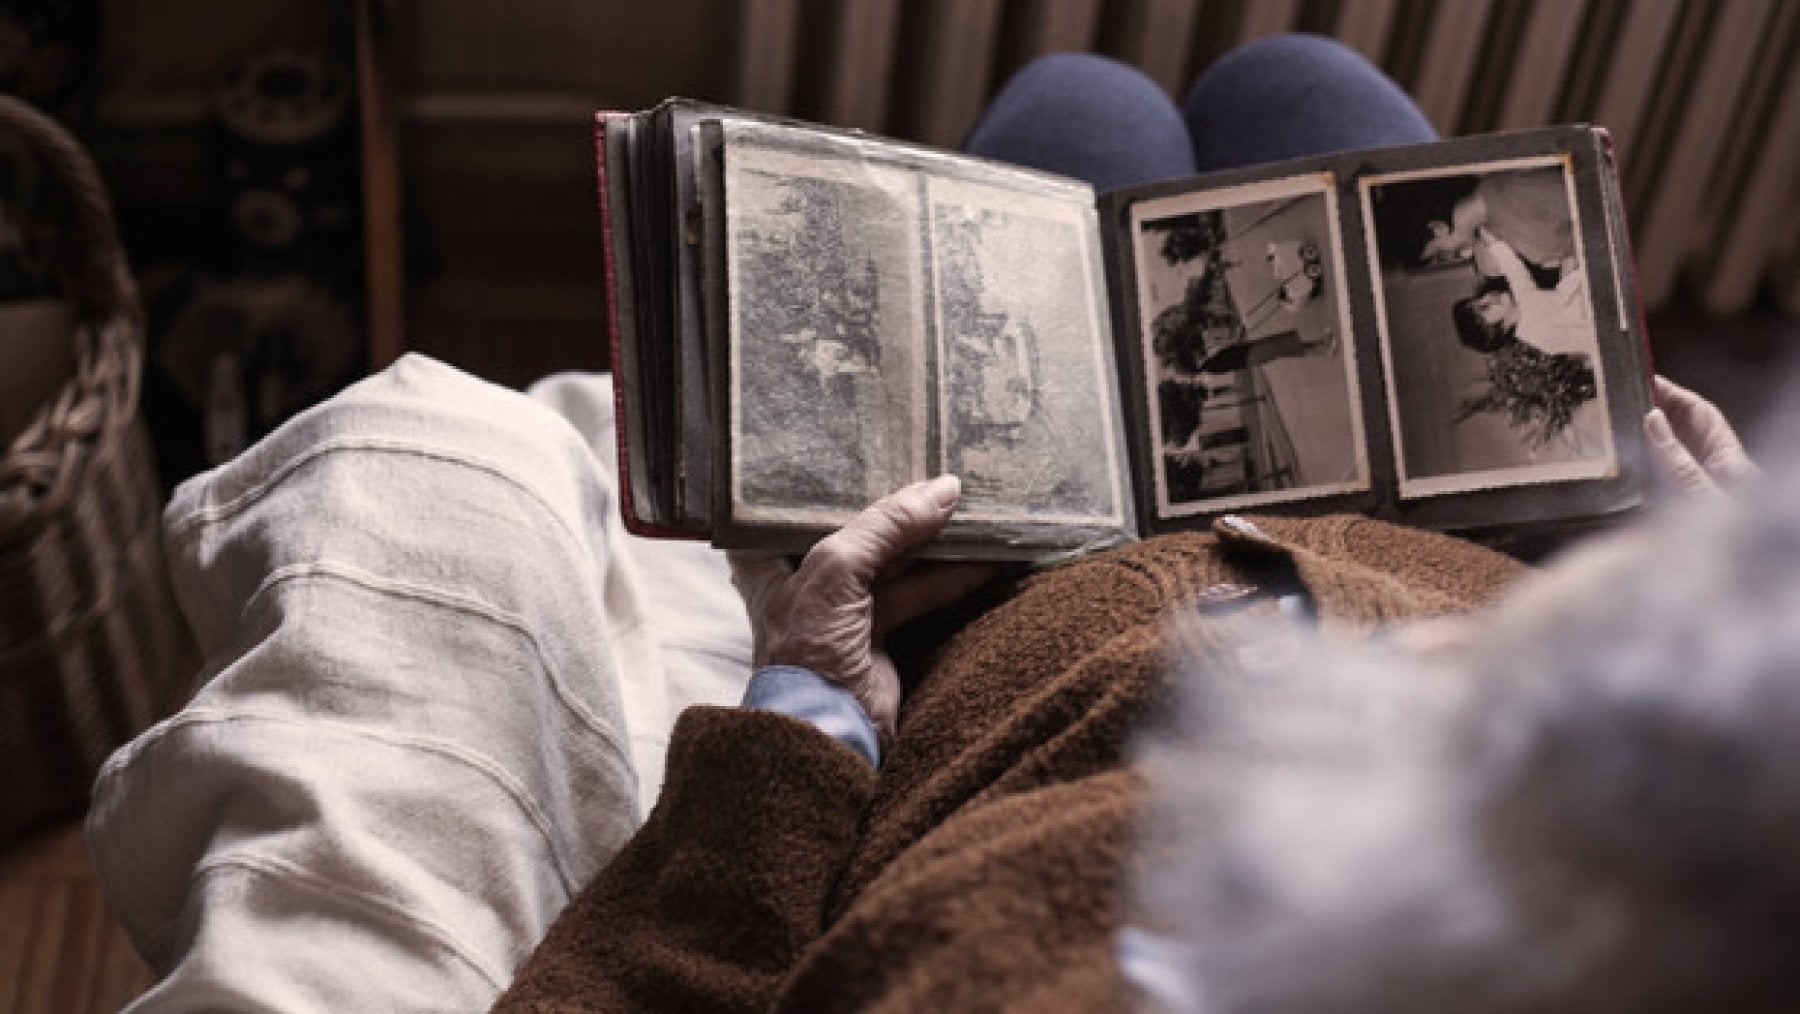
x=880 y=695
x=755 y=574
x=891 y=526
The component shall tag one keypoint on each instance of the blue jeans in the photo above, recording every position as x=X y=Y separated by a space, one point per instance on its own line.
x=1281 y=97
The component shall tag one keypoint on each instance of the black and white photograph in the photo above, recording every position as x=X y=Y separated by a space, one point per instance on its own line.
x=1025 y=396
x=829 y=400
x=1487 y=327
x=1246 y=347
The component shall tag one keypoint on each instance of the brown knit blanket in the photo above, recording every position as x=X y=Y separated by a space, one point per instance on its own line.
x=981 y=867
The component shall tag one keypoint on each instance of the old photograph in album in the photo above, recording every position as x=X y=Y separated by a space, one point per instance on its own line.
x=829 y=399
x=1026 y=396
x=1247 y=355
x=1487 y=327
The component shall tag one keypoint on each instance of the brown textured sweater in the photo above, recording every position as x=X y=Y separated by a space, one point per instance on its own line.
x=981 y=867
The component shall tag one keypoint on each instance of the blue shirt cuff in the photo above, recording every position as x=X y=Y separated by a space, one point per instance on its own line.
x=1162 y=967
x=827 y=707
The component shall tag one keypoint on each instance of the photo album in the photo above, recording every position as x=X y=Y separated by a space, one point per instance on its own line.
x=806 y=318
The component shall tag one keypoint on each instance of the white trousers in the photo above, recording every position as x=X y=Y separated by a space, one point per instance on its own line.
x=438 y=686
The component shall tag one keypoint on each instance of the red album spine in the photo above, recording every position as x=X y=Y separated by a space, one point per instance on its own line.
x=610 y=281
x=1643 y=321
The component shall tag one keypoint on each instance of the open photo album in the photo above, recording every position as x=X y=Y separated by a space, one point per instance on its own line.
x=805 y=319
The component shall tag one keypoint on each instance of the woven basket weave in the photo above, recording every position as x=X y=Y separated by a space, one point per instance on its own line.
x=92 y=648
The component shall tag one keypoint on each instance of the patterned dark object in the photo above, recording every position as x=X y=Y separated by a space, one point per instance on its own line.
x=47 y=48
x=260 y=348
x=91 y=645
x=289 y=159
x=33 y=211
x=1537 y=392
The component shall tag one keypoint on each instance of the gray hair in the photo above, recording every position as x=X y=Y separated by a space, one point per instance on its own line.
x=1592 y=803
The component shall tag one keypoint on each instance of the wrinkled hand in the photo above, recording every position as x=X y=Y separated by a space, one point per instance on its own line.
x=831 y=613
x=1692 y=446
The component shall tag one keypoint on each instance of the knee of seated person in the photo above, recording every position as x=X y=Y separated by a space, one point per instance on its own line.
x=1086 y=116
x=1075 y=74
x=1273 y=57
x=1078 y=88
x=420 y=398
x=1305 y=94
x=1293 y=45
x=423 y=411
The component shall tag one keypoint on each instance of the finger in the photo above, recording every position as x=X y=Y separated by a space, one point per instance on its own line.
x=1703 y=428
x=1689 y=414
x=880 y=695
x=1722 y=454
x=1693 y=419
x=927 y=589
x=1728 y=460
x=1710 y=436
x=1666 y=391
x=753 y=574
x=892 y=525
x=1672 y=460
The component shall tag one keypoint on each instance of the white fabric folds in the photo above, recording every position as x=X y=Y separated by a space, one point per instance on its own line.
x=439 y=683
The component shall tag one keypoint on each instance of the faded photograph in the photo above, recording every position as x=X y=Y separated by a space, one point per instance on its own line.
x=1026 y=400
x=828 y=398
x=1245 y=344
x=1487 y=327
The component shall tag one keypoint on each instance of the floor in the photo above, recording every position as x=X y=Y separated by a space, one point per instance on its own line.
x=60 y=951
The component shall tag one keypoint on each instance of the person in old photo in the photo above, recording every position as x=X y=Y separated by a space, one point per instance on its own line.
x=1526 y=208
x=1493 y=365
x=1508 y=305
x=1516 y=231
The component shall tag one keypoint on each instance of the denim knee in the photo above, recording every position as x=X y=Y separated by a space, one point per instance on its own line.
x=1288 y=96
x=1086 y=116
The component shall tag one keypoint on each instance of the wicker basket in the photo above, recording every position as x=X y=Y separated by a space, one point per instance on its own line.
x=92 y=648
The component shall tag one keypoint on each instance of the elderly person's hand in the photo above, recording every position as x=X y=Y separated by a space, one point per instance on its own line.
x=1692 y=446
x=831 y=613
